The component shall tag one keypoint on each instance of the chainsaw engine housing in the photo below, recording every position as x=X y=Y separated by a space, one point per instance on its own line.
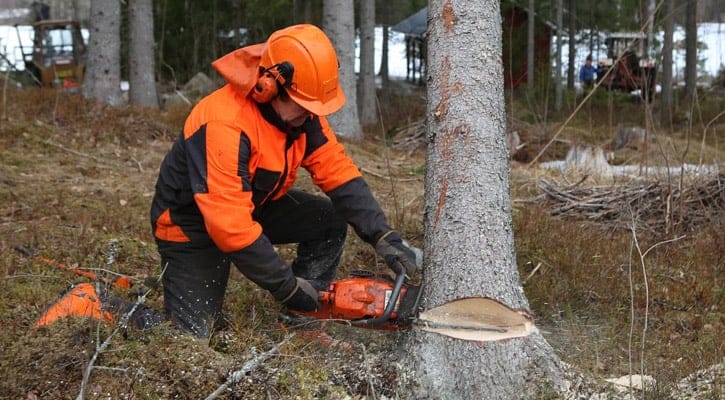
x=364 y=298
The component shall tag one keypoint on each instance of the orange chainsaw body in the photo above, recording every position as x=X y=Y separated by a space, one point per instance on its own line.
x=358 y=298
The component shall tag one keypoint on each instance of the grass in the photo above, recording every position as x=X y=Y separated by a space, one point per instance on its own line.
x=75 y=176
x=591 y=291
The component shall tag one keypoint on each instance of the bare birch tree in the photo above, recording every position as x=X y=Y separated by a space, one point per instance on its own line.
x=102 y=81
x=338 y=18
x=142 y=70
x=469 y=247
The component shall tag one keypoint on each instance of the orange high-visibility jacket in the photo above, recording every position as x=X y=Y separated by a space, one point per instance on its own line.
x=235 y=154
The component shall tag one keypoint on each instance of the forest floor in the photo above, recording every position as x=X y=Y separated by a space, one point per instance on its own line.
x=613 y=294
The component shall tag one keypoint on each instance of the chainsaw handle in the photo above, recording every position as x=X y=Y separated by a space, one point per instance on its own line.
x=399 y=279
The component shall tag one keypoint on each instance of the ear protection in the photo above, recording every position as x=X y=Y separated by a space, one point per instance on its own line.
x=271 y=80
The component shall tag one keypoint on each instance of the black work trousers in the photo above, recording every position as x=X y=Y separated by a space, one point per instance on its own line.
x=195 y=276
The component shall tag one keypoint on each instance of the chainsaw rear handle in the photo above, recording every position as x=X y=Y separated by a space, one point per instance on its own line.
x=399 y=270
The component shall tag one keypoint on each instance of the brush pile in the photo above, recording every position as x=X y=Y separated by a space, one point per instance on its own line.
x=656 y=207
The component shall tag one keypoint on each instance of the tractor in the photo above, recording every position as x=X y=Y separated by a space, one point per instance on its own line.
x=57 y=55
x=623 y=69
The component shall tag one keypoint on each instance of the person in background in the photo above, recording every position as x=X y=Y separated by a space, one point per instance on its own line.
x=588 y=73
x=225 y=194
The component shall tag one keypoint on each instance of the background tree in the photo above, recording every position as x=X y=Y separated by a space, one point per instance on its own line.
x=339 y=24
x=666 y=78
x=384 y=70
x=366 y=84
x=690 y=48
x=102 y=81
x=194 y=33
x=530 y=47
x=571 y=64
x=469 y=247
x=558 y=87
x=142 y=67
x=303 y=11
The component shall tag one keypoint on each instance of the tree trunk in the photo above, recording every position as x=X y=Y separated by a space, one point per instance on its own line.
x=303 y=11
x=649 y=10
x=571 y=69
x=530 y=46
x=690 y=48
x=384 y=70
x=339 y=23
x=558 y=89
x=142 y=70
x=368 y=109
x=666 y=78
x=102 y=81
x=469 y=243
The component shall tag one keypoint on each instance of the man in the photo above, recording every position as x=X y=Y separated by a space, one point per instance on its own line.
x=587 y=73
x=224 y=192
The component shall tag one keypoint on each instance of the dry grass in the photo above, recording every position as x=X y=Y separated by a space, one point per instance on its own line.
x=75 y=176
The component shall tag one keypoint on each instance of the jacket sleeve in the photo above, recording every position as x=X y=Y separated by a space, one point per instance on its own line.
x=338 y=176
x=263 y=266
x=356 y=203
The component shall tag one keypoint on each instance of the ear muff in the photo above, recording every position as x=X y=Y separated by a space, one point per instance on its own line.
x=271 y=80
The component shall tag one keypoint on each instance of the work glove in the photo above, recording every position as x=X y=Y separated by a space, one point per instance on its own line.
x=392 y=248
x=303 y=297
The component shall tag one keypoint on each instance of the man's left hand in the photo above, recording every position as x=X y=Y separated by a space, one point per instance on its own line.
x=393 y=249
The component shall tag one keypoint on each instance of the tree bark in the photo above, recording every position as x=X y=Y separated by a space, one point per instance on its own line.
x=648 y=14
x=469 y=247
x=339 y=24
x=530 y=46
x=384 y=70
x=102 y=81
x=368 y=109
x=690 y=48
x=571 y=66
x=666 y=79
x=142 y=69
x=558 y=88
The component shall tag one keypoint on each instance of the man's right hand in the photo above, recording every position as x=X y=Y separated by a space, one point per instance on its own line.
x=303 y=297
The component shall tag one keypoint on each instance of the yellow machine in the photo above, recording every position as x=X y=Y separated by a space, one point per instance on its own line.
x=57 y=55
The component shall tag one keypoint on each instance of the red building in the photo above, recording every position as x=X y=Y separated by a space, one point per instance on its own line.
x=515 y=20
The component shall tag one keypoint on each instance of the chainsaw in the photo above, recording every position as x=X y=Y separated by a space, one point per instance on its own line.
x=378 y=301
x=369 y=300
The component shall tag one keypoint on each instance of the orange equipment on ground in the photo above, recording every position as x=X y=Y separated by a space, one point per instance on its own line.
x=122 y=282
x=81 y=300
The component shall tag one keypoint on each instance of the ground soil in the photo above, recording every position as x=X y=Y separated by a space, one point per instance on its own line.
x=76 y=180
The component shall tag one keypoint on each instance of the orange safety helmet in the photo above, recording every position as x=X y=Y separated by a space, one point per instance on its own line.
x=313 y=81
